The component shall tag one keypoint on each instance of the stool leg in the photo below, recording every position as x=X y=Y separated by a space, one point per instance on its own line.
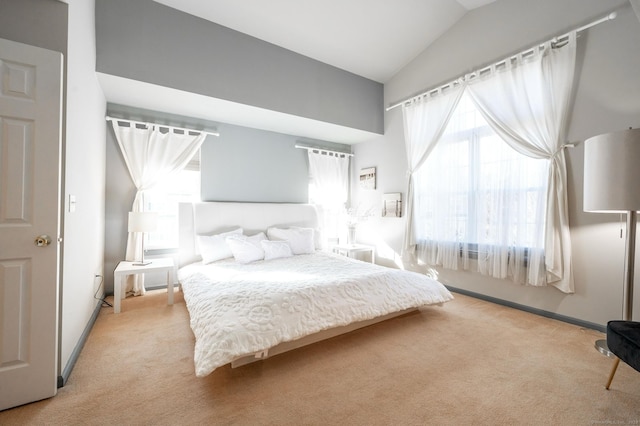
x=613 y=371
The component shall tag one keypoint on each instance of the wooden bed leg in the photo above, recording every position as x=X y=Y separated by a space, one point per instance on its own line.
x=613 y=371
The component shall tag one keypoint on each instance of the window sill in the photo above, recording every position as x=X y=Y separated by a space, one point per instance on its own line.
x=475 y=254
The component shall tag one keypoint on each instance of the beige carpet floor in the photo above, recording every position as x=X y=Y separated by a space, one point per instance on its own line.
x=467 y=362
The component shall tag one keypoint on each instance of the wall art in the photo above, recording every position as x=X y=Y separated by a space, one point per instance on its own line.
x=392 y=205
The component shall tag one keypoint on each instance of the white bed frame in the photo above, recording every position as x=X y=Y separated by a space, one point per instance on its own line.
x=208 y=218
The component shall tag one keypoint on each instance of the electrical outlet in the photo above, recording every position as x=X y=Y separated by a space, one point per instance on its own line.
x=98 y=281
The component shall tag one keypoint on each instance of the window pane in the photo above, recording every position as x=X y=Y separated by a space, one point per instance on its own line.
x=475 y=189
x=183 y=186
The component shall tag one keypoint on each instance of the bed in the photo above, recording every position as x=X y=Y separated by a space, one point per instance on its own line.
x=243 y=308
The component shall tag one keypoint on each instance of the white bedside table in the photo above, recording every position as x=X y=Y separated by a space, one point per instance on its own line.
x=126 y=268
x=352 y=250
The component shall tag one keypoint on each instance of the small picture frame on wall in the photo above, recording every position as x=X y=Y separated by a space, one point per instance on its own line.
x=368 y=178
x=392 y=205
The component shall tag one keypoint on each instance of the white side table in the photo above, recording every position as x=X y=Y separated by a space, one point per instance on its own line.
x=352 y=250
x=126 y=268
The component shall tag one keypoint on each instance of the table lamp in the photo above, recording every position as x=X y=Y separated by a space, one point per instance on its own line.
x=611 y=177
x=143 y=222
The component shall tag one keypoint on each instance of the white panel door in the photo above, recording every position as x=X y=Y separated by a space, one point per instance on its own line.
x=30 y=129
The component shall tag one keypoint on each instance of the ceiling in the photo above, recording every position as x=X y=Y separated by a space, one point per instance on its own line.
x=370 y=38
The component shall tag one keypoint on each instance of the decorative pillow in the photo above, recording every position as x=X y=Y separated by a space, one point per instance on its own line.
x=276 y=249
x=214 y=247
x=301 y=240
x=246 y=249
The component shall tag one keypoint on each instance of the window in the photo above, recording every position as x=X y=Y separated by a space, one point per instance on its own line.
x=182 y=186
x=475 y=194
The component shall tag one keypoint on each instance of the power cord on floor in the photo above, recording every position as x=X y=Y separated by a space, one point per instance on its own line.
x=105 y=304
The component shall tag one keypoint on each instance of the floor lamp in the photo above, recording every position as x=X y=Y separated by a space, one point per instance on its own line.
x=142 y=222
x=611 y=177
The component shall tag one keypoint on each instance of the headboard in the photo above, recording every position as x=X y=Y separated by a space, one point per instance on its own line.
x=207 y=218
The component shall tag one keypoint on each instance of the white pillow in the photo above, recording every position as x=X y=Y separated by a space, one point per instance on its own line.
x=275 y=249
x=246 y=249
x=300 y=239
x=214 y=247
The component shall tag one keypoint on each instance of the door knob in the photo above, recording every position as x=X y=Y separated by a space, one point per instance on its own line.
x=42 y=241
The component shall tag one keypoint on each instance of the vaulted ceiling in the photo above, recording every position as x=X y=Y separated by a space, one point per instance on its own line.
x=370 y=38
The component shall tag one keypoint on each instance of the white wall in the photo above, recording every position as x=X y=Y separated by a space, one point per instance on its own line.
x=84 y=177
x=607 y=99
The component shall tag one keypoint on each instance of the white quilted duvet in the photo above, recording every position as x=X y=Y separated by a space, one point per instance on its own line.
x=239 y=309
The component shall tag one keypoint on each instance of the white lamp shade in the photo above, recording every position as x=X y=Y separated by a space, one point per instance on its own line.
x=612 y=172
x=143 y=221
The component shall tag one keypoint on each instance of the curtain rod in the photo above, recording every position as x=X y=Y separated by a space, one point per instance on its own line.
x=609 y=17
x=144 y=123
x=323 y=150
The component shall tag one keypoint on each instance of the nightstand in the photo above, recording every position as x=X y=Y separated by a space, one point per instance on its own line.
x=355 y=250
x=126 y=268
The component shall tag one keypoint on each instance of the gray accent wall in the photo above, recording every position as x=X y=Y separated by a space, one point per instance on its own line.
x=252 y=165
x=41 y=23
x=244 y=164
x=150 y=42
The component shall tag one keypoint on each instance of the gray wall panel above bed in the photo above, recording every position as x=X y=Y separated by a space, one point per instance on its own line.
x=245 y=164
x=250 y=165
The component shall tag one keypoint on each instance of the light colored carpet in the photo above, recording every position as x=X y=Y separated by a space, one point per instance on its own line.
x=467 y=362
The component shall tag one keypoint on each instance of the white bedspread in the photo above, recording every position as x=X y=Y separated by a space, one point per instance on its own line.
x=239 y=309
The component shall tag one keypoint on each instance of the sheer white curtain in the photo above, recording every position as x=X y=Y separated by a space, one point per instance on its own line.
x=479 y=196
x=524 y=104
x=329 y=175
x=150 y=155
x=425 y=119
x=527 y=104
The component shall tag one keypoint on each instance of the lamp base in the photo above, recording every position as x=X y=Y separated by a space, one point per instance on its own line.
x=601 y=346
x=142 y=263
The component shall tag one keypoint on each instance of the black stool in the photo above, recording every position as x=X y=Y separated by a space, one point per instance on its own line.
x=623 y=339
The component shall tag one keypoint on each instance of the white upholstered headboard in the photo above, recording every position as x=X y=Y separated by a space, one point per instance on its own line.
x=208 y=218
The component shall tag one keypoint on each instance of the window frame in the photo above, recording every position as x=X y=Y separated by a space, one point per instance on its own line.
x=472 y=136
x=150 y=204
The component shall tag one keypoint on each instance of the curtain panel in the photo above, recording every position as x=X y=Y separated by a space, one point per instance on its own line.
x=150 y=155
x=526 y=103
x=425 y=120
x=329 y=174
